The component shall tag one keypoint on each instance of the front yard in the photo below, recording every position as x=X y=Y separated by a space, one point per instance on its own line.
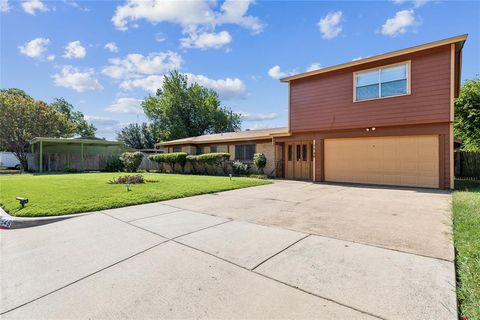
x=59 y=194
x=466 y=228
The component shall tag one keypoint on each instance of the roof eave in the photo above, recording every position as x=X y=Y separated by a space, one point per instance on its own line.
x=457 y=39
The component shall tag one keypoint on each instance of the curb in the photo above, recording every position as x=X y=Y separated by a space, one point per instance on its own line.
x=10 y=222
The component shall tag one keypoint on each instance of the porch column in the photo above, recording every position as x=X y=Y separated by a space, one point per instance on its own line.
x=41 y=157
x=81 y=156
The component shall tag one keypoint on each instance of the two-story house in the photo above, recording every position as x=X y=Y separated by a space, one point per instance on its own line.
x=386 y=119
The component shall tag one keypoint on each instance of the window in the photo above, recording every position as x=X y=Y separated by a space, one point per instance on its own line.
x=382 y=82
x=299 y=154
x=304 y=152
x=177 y=149
x=290 y=152
x=213 y=149
x=199 y=150
x=311 y=152
x=244 y=152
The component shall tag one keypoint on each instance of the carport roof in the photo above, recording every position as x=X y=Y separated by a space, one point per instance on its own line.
x=76 y=141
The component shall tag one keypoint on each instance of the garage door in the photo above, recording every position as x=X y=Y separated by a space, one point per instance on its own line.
x=402 y=161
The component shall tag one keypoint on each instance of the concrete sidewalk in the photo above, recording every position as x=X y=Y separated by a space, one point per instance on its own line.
x=160 y=261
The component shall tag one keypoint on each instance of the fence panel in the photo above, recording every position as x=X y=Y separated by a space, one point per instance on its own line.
x=467 y=165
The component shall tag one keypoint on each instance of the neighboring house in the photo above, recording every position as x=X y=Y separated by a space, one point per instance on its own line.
x=386 y=119
x=62 y=154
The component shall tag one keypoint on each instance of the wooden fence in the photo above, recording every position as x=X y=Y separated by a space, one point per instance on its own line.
x=467 y=165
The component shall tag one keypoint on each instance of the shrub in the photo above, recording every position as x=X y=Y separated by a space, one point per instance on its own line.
x=240 y=168
x=193 y=160
x=136 y=179
x=215 y=159
x=260 y=161
x=114 y=164
x=171 y=158
x=70 y=170
x=131 y=160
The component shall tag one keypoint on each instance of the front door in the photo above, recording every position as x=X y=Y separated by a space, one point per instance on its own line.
x=299 y=160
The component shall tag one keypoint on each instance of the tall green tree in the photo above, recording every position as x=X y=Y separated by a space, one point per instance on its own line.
x=22 y=119
x=137 y=136
x=467 y=115
x=83 y=128
x=180 y=110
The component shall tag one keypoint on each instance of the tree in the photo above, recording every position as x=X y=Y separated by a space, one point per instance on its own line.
x=22 y=119
x=83 y=128
x=467 y=115
x=137 y=136
x=180 y=110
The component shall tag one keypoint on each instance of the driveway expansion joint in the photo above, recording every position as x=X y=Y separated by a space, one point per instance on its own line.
x=284 y=249
x=279 y=281
x=85 y=277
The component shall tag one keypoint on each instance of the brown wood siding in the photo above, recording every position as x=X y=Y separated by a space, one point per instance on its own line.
x=440 y=129
x=325 y=101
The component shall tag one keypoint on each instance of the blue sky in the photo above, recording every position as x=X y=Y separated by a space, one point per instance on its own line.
x=105 y=56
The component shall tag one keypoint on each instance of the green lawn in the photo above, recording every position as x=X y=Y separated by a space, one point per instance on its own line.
x=466 y=228
x=59 y=194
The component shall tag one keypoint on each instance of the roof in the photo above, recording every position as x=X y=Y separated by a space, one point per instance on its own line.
x=229 y=136
x=460 y=40
x=75 y=141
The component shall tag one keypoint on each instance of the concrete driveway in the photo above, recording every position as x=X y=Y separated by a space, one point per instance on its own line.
x=189 y=258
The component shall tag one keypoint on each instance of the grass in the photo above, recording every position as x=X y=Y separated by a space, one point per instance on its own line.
x=466 y=230
x=60 y=194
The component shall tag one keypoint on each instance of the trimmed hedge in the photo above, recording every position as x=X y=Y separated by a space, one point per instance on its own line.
x=260 y=161
x=215 y=159
x=171 y=158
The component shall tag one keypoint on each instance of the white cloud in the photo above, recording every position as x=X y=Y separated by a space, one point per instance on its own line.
x=416 y=3
x=206 y=40
x=228 y=88
x=235 y=12
x=186 y=13
x=106 y=127
x=314 y=66
x=73 y=78
x=400 y=23
x=35 y=48
x=276 y=73
x=254 y=116
x=111 y=46
x=75 y=50
x=136 y=65
x=51 y=57
x=160 y=37
x=76 y=5
x=31 y=6
x=357 y=58
x=330 y=25
x=4 y=6
x=125 y=105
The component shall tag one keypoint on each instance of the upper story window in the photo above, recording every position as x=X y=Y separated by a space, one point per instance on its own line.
x=382 y=82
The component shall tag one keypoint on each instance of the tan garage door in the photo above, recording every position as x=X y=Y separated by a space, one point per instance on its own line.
x=402 y=161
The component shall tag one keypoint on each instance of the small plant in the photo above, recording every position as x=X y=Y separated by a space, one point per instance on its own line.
x=260 y=161
x=132 y=160
x=240 y=168
x=114 y=164
x=136 y=179
x=70 y=170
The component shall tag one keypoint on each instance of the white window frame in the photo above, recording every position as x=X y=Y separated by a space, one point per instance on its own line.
x=409 y=86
